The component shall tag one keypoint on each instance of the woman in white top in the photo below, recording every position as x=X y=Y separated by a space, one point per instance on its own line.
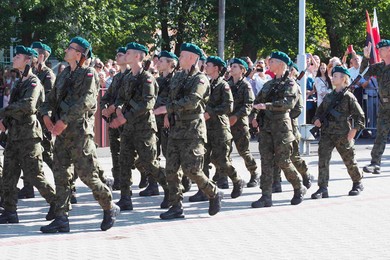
x=322 y=83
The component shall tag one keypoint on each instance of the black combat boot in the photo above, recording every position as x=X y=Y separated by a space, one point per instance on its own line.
x=51 y=214
x=109 y=217
x=357 y=187
x=9 y=217
x=254 y=181
x=372 y=168
x=199 y=196
x=151 y=190
x=223 y=183
x=298 y=195
x=117 y=184
x=276 y=187
x=165 y=203
x=173 y=212
x=27 y=192
x=187 y=183
x=125 y=203
x=322 y=192
x=264 y=202
x=238 y=187
x=306 y=180
x=215 y=203
x=59 y=224
x=144 y=181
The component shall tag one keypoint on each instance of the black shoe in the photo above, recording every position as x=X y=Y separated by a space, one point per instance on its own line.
x=322 y=192
x=109 y=182
x=357 y=187
x=51 y=214
x=199 y=196
x=59 y=224
x=372 y=168
x=165 y=203
x=306 y=180
x=73 y=199
x=238 y=187
x=276 y=187
x=116 y=185
x=9 y=217
x=254 y=181
x=265 y=201
x=173 y=212
x=109 y=217
x=125 y=203
x=298 y=195
x=223 y=183
x=27 y=192
x=151 y=190
x=143 y=182
x=215 y=203
x=187 y=183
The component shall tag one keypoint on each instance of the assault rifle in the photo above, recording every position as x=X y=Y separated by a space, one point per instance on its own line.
x=315 y=131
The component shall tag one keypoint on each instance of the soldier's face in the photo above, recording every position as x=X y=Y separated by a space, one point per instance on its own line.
x=274 y=65
x=20 y=62
x=72 y=53
x=384 y=52
x=185 y=60
x=120 y=58
x=210 y=68
x=338 y=79
x=131 y=56
x=162 y=64
x=235 y=70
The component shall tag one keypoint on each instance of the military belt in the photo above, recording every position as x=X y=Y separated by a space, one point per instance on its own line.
x=26 y=119
x=279 y=116
x=189 y=117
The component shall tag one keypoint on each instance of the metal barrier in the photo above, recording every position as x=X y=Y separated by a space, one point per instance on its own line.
x=306 y=137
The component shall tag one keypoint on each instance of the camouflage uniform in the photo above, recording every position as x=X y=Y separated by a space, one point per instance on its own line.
x=75 y=145
x=243 y=101
x=335 y=135
x=187 y=136
x=162 y=98
x=23 y=149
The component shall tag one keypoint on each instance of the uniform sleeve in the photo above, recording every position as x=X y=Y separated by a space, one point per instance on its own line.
x=298 y=108
x=374 y=69
x=289 y=99
x=48 y=82
x=109 y=97
x=357 y=113
x=247 y=106
x=226 y=106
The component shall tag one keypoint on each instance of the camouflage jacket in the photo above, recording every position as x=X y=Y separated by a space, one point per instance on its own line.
x=20 y=115
x=382 y=73
x=47 y=78
x=243 y=101
x=112 y=92
x=137 y=98
x=339 y=123
x=77 y=108
x=295 y=113
x=162 y=98
x=187 y=100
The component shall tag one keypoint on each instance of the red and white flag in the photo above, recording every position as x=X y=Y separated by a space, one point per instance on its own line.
x=373 y=37
x=376 y=35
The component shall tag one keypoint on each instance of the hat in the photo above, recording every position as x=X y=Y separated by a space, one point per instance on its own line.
x=40 y=45
x=240 y=61
x=168 y=54
x=216 y=61
x=203 y=57
x=383 y=43
x=20 y=49
x=340 y=69
x=137 y=46
x=281 y=56
x=121 y=50
x=191 y=48
x=84 y=44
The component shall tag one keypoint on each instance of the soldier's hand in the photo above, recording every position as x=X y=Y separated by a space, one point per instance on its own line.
x=117 y=122
x=48 y=123
x=58 y=128
x=254 y=123
x=206 y=116
x=317 y=123
x=166 y=121
x=233 y=120
x=351 y=134
x=259 y=106
x=367 y=50
x=106 y=113
x=2 y=126
x=160 y=110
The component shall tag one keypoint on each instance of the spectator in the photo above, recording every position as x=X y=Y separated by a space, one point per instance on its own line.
x=260 y=77
x=333 y=62
x=102 y=79
x=109 y=79
x=322 y=83
x=6 y=96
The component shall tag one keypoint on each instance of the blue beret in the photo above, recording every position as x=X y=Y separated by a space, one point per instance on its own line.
x=341 y=69
x=241 y=62
x=281 y=56
x=40 y=45
x=383 y=43
x=216 y=61
x=168 y=54
x=137 y=46
x=191 y=48
x=20 y=49
x=203 y=57
x=121 y=50
x=84 y=44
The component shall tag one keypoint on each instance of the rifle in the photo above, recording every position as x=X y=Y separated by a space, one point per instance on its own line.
x=315 y=131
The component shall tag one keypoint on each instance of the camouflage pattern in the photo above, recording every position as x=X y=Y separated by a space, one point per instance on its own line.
x=276 y=133
x=137 y=97
x=75 y=145
x=186 y=104
x=218 y=147
x=382 y=73
x=243 y=102
x=23 y=150
x=335 y=135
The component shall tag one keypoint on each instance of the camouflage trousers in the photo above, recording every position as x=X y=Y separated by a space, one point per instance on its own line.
x=79 y=151
x=218 y=152
x=189 y=155
x=162 y=139
x=115 y=140
x=346 y=150
x=143 y=144
x=274 y=152
x=24 y=155
x=241 y=138
x=382 y=132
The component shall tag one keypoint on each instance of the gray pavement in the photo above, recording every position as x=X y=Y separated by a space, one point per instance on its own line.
x=340 y=227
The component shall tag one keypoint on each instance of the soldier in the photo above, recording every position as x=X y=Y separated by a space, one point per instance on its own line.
x=23 y=149
x=187 y=133
x=239 y=122
x=134 y=106
x=382 y=72
x=219 y=144
x=338 y=132
x=72 y=104
x=275 y=100
x=107 y=103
